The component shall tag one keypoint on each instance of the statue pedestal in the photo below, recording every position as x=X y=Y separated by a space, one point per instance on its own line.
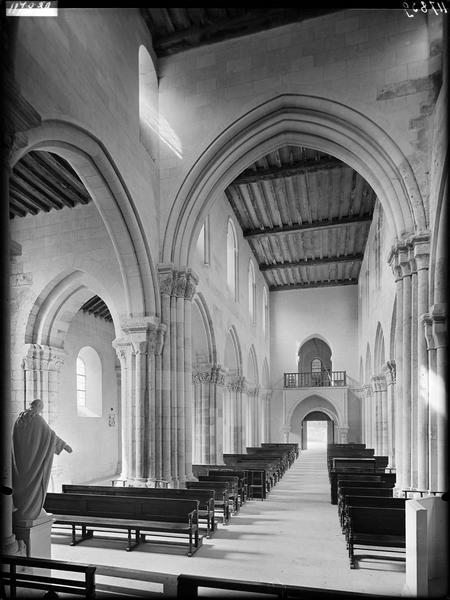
x=36 y=533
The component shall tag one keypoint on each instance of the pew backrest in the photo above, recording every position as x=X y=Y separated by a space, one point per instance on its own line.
x=121 y=507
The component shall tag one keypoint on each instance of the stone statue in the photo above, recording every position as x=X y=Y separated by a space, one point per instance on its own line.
x=34 y=444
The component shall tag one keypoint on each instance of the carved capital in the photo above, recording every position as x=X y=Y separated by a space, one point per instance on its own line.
x=389 y=372
x=43 y=358
x=191 y=284
x=166 y=278
x=179 y=287
x=236 y=384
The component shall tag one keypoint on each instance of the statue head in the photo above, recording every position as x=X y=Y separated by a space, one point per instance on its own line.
x=37 y=405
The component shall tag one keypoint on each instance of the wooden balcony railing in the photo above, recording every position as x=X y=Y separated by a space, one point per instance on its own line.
x=317 y=379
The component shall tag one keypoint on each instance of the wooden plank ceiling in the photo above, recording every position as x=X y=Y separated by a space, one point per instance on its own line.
x=177 y=29
x=306 y=216
x=43 y=181
x=96 y=306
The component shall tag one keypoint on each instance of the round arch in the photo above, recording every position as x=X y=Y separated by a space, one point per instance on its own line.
x=100 y=176
x=295 y=119
x=53 y=310
x=314 y=403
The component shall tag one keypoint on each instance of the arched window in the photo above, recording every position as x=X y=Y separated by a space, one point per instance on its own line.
x=316 y=365
x=89 y=383
x=148 y=104
x=316 y=371
x=81 y=383
x=251 y=292
x=232 y=258
x=265 y=313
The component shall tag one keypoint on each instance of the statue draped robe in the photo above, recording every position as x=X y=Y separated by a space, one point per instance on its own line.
x=34 y=444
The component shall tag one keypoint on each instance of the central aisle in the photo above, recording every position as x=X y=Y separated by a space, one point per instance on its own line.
x=292 y=538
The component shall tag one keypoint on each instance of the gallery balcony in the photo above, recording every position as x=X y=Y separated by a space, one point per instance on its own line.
x=315 y=379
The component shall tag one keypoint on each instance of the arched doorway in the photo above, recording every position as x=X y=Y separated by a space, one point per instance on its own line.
x=317 y=430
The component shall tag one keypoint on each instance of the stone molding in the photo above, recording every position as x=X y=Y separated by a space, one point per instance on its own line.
x=410 y=255
x=43 y=358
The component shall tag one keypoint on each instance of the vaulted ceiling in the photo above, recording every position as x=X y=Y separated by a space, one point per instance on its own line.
x=177 y=29
x=306 y=216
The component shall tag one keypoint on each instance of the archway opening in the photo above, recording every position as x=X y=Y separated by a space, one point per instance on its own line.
x=317 y=430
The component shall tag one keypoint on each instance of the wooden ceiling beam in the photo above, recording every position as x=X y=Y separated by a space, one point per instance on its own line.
x=243 y=24
x=65 y=173
x=32 y=204
x=50 y=181
x=314 y=284
x=259 y=233
x=28 y=181
x=311 y=262
x=288 y=170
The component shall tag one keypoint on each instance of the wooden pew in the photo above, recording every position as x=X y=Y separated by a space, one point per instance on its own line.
x=336 y=476
x=281 y=454
x=255 y=478
x=233 y=488
x=16 y=577
x=244 y=461
x=188 y=585
x=205 y=497
x=294 y=447
x=242 y=480
x=366 y=500
x=144 y=516
x=375 y=526
x=363 y=488
x=221 y=502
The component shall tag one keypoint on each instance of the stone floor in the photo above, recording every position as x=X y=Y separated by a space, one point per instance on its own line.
x=293 y=538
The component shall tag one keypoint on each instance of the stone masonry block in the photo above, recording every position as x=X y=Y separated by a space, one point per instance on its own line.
x=239 y=64
x=395 y=74
x=350 y=24
x=357 y=37
x=283 y=40
x=417 y=69
x=207 y=86
x=404 y=88
x=205 y=60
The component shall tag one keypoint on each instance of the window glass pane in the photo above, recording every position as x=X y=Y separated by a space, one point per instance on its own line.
x=81 y=398
x=81 y=369
x=316 y=365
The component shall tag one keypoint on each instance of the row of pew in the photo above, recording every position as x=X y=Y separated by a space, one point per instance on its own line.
x=180 y=515
x=370 y=516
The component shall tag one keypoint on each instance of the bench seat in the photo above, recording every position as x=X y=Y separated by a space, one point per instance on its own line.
x=143 y=516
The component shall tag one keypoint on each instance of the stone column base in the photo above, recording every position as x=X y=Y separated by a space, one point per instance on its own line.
x=36 y=534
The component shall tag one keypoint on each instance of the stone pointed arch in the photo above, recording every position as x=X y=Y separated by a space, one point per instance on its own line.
x=295 y=119
x=379 y=350
x=369 y=367
x=54 y=308
x=265 y=380
x=96 y=169
x=199 y=304
x=316 y=402
x=252 y=366
x=232 y=352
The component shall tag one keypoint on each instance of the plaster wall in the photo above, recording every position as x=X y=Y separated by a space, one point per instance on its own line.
x=102 y=97
x=297 y=315
x=94 y=442
x=377 y=62
x=226 y=312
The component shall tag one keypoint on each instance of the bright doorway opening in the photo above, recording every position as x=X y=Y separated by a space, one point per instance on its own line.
x=316 y=436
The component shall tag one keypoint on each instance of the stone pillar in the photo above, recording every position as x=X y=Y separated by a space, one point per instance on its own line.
x=265 y=396
x=207 y=415
x=432 y=412
x=41 y=367
x=399 y=429
x=166 y=282
x=368 y=411
x=191 y=284
x=389 y=373
x=136 y=351
x=413 y=369
x=421 y=255
x=439 y=329
x=377 y=414
x=405 y=266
